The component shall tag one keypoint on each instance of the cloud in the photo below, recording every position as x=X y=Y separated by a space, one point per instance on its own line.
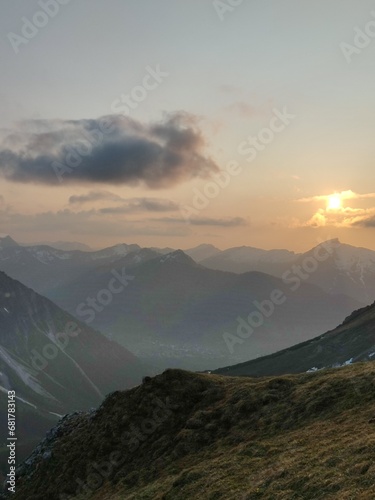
x=109 y=150
x=225 y=222
x=142 y=205
x=317 y=220
x=94 y=196
x=128 y=205
x=343 y=217
x=242 y=109
x=344 y=195
x=365 y=222
x=337 y=215
x=208 y=221
x=86 y=222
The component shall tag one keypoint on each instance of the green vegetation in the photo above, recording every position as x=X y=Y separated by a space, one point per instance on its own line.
x=352 y=341
x=309 y=436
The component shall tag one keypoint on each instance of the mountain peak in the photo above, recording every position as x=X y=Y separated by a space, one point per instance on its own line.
x=6 y=241
x=334 y=241
x=204 y=246
x=203 y=251
x=177 y=256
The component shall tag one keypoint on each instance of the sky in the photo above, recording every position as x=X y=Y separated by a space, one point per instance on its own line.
x=175 y=123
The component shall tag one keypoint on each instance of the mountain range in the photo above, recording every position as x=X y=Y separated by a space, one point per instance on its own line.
x=42 y=267
x=174 y=311
x=349 y=270
x=65 y=245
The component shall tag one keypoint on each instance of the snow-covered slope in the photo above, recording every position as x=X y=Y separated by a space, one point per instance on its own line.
x=43 y=267
x=51 y=358
x=348 y=269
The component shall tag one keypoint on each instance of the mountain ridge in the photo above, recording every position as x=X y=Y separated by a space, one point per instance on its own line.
x=177 y=311
x=183 y=435
x=351 y=341
x=54 y=362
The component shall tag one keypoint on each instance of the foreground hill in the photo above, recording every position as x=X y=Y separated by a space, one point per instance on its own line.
x=352 y=341
x=182 y=435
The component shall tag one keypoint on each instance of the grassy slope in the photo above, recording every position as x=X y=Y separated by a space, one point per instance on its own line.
x=304 y=436
x=355 y=338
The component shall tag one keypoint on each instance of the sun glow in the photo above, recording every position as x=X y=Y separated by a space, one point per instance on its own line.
x=334 y=202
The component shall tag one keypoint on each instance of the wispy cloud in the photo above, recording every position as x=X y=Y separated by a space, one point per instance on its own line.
x=86 y=222
x=127 y=205
x=208 y=221
x=365 y=221
x=93 y=196
x=336 y=214
x=344 y=195
x=142 y=205
x=242 y=109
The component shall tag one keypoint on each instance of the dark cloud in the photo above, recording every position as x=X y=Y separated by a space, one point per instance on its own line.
x=369 y=222
x=142 y=205
x=112 y=150
x=94 y=196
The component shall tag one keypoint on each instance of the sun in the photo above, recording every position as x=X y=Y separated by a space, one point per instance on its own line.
x=334 y=202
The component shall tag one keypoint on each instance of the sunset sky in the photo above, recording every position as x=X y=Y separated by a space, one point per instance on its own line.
x=175 y=123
